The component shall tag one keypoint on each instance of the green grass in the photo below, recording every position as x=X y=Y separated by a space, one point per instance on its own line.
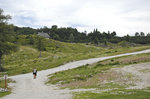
x=2 y=94
x=115 y=94
x=88 y=76
x=57 y=53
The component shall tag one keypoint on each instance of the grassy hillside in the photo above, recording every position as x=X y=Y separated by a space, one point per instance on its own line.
x=57 y=53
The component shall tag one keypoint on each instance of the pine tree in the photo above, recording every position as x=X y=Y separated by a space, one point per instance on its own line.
x=71 y=38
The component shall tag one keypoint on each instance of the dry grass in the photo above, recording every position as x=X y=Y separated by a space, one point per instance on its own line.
x=134 y=60
x=100 y=74
x=128 y=59
x=102 y=79
x=145 y=70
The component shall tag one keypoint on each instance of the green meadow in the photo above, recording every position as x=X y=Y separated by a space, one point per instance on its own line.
x=57 y=53
x=115 y=94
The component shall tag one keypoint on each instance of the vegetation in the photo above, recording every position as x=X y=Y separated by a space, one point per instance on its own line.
x=55 y=54
x=6 y=37
x=13 y=37
x=90 y=76
x=114 y=94
x=21 y=50
x=2 y=94
x=2 y=85
x=107 y=83
x=29 y=47
x=69 y=34
x=2 y=82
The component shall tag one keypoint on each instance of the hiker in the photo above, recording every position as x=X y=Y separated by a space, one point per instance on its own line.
x=35 y=73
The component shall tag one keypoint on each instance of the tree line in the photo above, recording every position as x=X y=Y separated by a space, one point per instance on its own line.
x=69 y=34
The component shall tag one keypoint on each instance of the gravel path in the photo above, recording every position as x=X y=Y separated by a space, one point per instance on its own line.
x=141 y=73
x=28 y=88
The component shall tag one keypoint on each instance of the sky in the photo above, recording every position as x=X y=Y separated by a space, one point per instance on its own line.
x=123 y=16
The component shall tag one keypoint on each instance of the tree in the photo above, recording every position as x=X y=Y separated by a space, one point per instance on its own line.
x=44 y=29
x=142 y=34
x=56 y=37
x=137 y=34
x=148 y=34
x=40 y=44
x=123 y=43
x=6 y=37
x=105 y=42
x=24 y=30
x=71 y=38
x=127 y=38
x=54 y=27
x=113 y=34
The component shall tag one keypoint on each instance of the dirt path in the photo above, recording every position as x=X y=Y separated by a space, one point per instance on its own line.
x=141 y=75
x=28 y=88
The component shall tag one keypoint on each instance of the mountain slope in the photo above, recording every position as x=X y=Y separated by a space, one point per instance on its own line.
x=57 y=53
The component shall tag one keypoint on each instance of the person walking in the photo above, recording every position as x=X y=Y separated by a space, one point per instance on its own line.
x=34 y=73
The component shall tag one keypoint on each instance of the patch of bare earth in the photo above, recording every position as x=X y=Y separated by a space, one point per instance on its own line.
x=116 y=77
x=143 y=78
x=100 y=80
x=135 y=76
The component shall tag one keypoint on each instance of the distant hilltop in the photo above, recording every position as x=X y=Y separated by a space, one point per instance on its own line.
x=43 y=34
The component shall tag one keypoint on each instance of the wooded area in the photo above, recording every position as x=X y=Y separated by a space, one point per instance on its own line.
x=69 y=34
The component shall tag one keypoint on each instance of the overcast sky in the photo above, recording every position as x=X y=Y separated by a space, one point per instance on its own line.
x=123 y=16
